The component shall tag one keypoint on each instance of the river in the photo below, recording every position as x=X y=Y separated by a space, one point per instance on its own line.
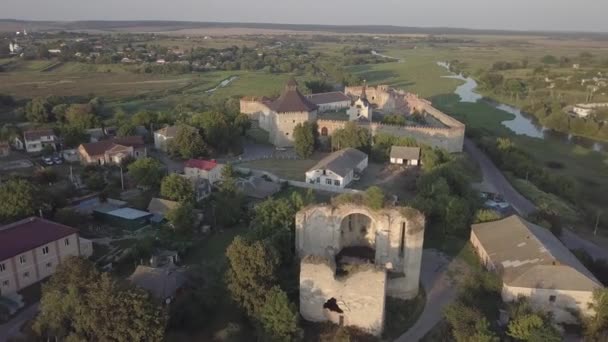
x=522 y=124
x=222 y=84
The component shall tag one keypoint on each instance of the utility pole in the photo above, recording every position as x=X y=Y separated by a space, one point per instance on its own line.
x=122 y=179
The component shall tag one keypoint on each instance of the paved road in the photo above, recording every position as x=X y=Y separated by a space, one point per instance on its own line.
x=440 y=292
x=495 y=179
x=12 y=328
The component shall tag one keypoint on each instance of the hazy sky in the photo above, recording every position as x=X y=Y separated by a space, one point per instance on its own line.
x=582 y=15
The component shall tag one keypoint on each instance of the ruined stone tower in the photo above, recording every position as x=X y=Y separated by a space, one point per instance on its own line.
x=352 y=257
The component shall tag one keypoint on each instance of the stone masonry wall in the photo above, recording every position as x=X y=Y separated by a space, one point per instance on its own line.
x=361 y=296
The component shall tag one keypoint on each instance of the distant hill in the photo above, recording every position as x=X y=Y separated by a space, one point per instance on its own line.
x=168 y=26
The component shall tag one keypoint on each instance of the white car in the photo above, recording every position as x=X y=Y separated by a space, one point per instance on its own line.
x=47 y=160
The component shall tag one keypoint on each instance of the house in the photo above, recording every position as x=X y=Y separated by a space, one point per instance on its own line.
x=533 y=263
x=205 y=169
x=162 y=282
x=583 y=110
x=36 y=140
x=403 y=155
x=163 y=136
x=31 y=249
x=338 y=169
x=332 y=101
x=5 y=149
x=160 y=207
x=257 y=187
x=127 y=218
x=112 y=151
x=18 y=144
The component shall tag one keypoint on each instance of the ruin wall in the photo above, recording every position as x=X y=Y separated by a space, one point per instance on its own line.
x=361 y=295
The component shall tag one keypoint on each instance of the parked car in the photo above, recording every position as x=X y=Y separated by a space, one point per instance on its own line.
x=47 y=160
x=57 y=160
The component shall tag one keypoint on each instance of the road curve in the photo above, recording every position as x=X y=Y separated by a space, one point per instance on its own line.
x=440 y=292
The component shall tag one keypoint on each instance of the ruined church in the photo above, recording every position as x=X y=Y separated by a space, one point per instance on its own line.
x=353 y=257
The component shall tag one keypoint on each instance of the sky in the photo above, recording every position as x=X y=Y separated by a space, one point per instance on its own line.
x=554 y=15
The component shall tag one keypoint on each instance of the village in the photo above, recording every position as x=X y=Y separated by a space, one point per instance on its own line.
x=136 y=207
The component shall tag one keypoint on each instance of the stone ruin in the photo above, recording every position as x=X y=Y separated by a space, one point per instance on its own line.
x=353 y=257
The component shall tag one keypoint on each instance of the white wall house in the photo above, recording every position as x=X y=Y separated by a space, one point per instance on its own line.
x=203 y=169
x=37 y=140
x=583 y=110
x=338 y=169
x=533 y=263
x=402 y=155
x=31 y=249
x=163 y=136
x=330 y=102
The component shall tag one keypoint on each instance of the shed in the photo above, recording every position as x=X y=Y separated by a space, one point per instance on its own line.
x=127 y=218
x=403 y=155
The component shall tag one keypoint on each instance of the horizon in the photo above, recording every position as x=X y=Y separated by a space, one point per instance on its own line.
x=312 y=25
x=541 y=15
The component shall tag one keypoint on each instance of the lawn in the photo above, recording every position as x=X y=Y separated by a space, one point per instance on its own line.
x=285 y=168
x=213 y=248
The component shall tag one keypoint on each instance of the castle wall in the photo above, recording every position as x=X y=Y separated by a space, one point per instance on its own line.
x=450 y=139
x=361 y=295
x=280 y=126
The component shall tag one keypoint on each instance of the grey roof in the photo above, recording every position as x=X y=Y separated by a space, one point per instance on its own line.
x=341 y=162
x=168 y=131
x=530 y=256
x=160 y=282
x=291 y=100
x=129 y=213
x=403 y=152
x=331 y=97
x=258 y=187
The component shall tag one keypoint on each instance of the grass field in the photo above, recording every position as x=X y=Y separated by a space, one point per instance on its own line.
x=285 y=168
x=417 y=73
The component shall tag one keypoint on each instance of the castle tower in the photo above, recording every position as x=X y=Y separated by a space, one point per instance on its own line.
x=364 y=91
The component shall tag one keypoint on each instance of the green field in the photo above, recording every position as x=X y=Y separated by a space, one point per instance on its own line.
x=285 y=168
x=417 y=73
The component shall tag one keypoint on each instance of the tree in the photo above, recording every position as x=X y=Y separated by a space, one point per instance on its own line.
x=177 y=188
x=19 y=199
x=374 y=198
x=468 y=324
x=39 y=110
x=188 y=143
x=80 y=303
x=73 y=136
x=125 y=130
x=251 y=273
x=69 y=217
x=228 y=184
x=81 y=116
x=146 y=171
x=549 y=59
x=182 y=218
x=596 y=326
x=350 y=136
x=304 y=139
x=486 y=215
x=279 y=317
x=144 y=118
x=526 y=324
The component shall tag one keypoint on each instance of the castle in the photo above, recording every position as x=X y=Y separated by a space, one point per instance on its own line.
x=280 y=116
x=353 y=257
